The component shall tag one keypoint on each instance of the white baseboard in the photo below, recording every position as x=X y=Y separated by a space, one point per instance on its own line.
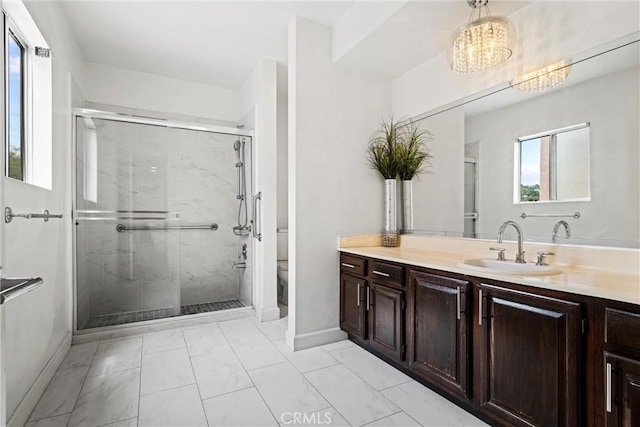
x=30 y=400
x=267 y=314
x=313 y=339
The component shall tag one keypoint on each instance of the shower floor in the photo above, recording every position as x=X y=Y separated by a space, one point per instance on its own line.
x=163 y=313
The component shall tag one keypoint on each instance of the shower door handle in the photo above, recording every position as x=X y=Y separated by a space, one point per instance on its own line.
x=256 y=218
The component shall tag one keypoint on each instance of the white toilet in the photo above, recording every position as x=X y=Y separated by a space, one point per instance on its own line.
x=283 y=266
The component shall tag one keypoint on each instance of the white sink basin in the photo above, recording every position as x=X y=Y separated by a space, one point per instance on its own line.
x=508 y=267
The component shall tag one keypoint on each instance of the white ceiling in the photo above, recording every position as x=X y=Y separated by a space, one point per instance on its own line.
x=213 y=42
x=219 y=42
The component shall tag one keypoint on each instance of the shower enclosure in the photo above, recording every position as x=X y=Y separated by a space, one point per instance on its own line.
x=162 y=225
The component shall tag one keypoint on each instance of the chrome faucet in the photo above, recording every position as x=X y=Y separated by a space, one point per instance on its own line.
x=567 y=230
x=520 y=255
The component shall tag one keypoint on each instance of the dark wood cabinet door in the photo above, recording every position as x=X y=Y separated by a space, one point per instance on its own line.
x=438 y=351
x=529 y=357
x=352 y=305
x=386 y=325
x=622 y=394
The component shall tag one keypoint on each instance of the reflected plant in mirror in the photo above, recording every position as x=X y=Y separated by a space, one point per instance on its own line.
x=414 y=156
x=413 y=151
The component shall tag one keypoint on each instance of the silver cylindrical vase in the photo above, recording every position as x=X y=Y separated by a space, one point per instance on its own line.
x=390 y=210
x=390 y=232
x=407 y=206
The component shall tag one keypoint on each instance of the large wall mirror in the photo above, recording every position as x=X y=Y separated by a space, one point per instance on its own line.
x=570 y=152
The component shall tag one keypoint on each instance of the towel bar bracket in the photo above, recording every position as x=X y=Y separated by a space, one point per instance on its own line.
x=46 y=216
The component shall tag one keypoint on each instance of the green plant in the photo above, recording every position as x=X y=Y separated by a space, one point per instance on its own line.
x=384 y=147
x=413 y=152
x=529 y=193
x=15 y=163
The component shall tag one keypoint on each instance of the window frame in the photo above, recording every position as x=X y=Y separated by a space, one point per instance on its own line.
x=11 y=30
x=38 y=96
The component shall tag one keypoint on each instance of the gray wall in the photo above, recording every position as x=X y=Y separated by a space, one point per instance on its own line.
x=38 y=324
x=332 y=191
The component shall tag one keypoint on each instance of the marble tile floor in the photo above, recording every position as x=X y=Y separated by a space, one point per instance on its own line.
x=162 y=313
x=235 y=373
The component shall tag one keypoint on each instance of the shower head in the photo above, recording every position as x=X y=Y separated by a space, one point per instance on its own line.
x=236 y=145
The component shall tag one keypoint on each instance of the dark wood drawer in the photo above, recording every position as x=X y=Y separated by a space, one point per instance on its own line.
x=382 y=272
x=622 y=328
x=353 y=265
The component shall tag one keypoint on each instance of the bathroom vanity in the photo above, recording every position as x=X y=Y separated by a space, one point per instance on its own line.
x=549 y=350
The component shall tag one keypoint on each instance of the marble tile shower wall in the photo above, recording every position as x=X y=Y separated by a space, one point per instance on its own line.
x=150 y=168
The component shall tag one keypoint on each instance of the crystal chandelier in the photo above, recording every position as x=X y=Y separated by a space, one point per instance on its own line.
x=483 y=43
x=543 y=79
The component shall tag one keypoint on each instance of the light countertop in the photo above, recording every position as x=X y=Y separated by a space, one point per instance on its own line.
x=595 y=282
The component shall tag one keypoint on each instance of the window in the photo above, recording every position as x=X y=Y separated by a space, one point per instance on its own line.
x=15 y=108
x=27 y=99
x=552 y=166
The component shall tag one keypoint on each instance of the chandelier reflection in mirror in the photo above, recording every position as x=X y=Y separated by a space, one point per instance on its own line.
x=483 y=43
x=543 y=79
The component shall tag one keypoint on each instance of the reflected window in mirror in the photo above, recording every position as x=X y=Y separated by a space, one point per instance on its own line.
x=552 y=166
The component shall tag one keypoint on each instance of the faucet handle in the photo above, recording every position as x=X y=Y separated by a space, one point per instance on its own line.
x=500 y=253
x=542 y=257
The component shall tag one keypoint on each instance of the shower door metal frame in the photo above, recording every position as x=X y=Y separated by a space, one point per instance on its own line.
x=476 y=189
x=127 y=118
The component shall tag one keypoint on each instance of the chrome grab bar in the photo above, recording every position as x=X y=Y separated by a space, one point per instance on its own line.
x=575 y=215
x=121 y=227
x=256 y=218
x=9 y=215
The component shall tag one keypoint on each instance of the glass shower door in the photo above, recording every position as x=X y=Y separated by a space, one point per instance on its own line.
x=127 y=264
x=159 y=214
